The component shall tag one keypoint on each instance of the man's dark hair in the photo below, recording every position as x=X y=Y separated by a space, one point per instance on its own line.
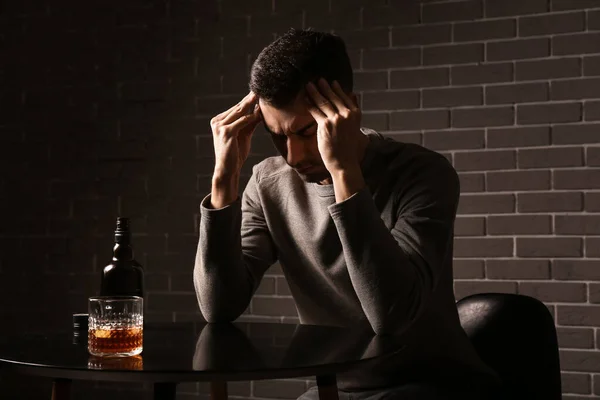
x=285 y=66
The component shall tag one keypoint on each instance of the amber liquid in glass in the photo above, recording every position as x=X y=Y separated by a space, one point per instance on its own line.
x=115 y=341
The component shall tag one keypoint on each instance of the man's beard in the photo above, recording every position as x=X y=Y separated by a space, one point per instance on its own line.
x=314 y=177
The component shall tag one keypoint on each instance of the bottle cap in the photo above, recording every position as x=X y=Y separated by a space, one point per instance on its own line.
x=80 y=322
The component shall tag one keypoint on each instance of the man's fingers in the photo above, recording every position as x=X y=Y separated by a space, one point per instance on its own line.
x=316 y=113
x=249 y=128
x=240 y=109
x=333 y=97
x=237 y=110
x=319 y=101
x=342 y=95
x=243 y=122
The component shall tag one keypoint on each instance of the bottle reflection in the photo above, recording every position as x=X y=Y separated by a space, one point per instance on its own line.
x=134 y=363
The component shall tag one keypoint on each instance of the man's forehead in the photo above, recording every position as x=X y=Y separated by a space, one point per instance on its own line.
x=285 y=120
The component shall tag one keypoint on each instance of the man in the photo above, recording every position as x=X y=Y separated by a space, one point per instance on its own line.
x=362 y=226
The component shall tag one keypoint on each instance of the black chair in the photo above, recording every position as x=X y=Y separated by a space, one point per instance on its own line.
x=516 y=336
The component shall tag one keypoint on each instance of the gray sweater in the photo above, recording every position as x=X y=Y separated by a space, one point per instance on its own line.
x=380 y=260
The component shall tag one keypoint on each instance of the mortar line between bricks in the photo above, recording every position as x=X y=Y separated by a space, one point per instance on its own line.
x=548 y=103
x=492 y=85
x=530 y=236
x=573 y=168
x=536 y=281
x=514 y=39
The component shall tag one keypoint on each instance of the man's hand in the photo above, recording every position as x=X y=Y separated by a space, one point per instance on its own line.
x=338 y=118
x=341 y=143
x=232 y=132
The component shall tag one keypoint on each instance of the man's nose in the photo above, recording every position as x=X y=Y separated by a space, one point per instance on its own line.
x=295 y=151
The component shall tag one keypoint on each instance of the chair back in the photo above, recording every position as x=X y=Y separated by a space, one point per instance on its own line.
x=515 y=335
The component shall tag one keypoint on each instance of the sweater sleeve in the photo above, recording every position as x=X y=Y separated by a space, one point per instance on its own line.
x=394 y=271
x=234 y=251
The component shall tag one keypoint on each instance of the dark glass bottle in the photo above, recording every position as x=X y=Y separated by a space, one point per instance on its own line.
x=124 y=276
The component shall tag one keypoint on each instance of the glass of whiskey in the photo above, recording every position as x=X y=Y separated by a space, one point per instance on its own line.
x=115 y=326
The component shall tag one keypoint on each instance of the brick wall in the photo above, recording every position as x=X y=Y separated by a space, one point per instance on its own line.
x=104 y=112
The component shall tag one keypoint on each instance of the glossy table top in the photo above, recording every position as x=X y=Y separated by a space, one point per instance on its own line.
x=180 y=352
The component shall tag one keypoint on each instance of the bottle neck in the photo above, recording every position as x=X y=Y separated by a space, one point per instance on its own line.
x=122 y=250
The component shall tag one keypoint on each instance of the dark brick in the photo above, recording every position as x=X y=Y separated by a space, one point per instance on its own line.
x=591 y=65
x=578 y=43
x=469 y=226
x=555 y=291
x=576 y=383
x=484 y=30
x=518 y=269
x=343 y=5
x=280 y=389
x=274 y=306
x=486 y=204
x=397 y=100
x=426 y=119
x=274 y=23
x=577 y=179
x=563 y=5
x=418 y=78
x=455 y=139
x=548 y=113
x=593 y=20
x=592 y=247
x=370 y=80
x=548 y=69
x=519 y=224
x=485 y=160
x=404 y=14
x=544 y=202
x=549 y=247
x=575 y=338
x=283 y=289
x=391 y=58
x=516 y=93
x=379 y=122
x=231 y=7
x=483 y=116
x=372 y=38
x=468 y=269
x=550 y=157
x=455 y=11
x=592 y=202
x=453 y=54
x=594 y=293
x=483 y=247
x=577 y=225
x=420 y=35
x=552 y=24
x=592 y=157
x=267 y=286
x=452 y=97
x=173 y=301
x=482 y=73
x=575 y=134
x=463 y=289
x=518 y=49
x=286 y=6
x=518 y=137
x=579 y=316
x=471 y=182
x=575 y=89
x=495 y=8
x=592 y=110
